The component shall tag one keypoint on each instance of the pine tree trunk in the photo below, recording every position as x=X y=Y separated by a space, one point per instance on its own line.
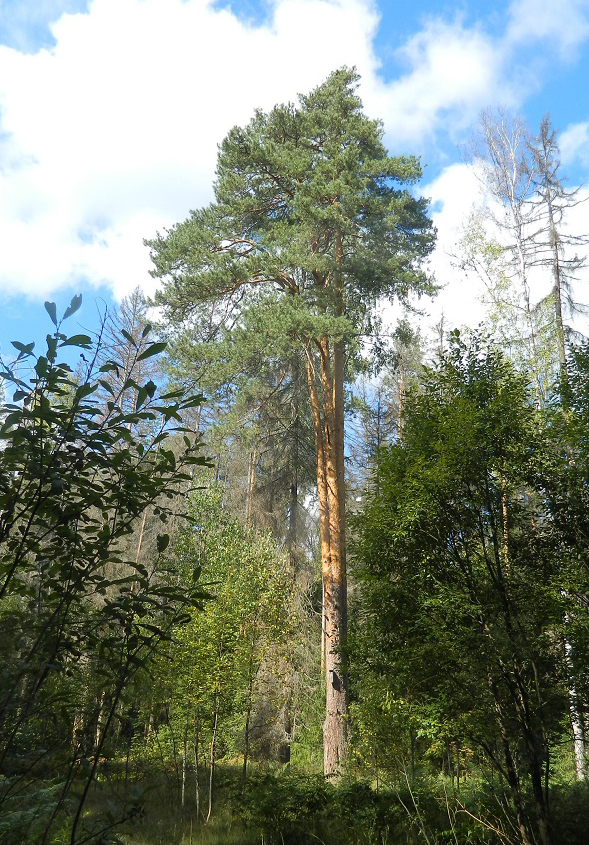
x=321 y=489
x=334 y=572
x=328 y=429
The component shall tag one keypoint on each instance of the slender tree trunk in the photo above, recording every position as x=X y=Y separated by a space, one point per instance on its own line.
x=292 y=519
x=322 y=628
x=140 y=540
x=98 y=732
x=556 y=286
x=504 y=527
x=401 y=402
x=96 y=755
x=213 y=746
x=196 y=785
x=511 y=773
x=292 y=537
x=248 y=712
x=412 y=755
x=184 y=756
x=522 y=269
x=321 y=489
x=287 y=725
x=149 y=725
x=212 y=761
x=575 y=714
x=250 y=486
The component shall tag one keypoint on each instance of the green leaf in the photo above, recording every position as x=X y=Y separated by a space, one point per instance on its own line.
x=129 y=337
x=85 y=390
x=72 y=307
x=162 y=542
x=52 y=311
x=194 y=401
x=77 y=340
x=154 y=349
x=106 y=386
x=51 y=347
x=146 y=330
x=173 y=394
x=41 y=366
x=141 y=397
x=22 y=348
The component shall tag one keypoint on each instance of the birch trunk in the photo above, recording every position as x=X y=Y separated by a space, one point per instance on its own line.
x=184 y=756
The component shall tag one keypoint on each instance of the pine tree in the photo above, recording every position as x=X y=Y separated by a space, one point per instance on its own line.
x=313 y=222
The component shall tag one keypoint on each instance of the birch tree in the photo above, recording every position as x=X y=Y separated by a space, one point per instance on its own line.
x=556 y=247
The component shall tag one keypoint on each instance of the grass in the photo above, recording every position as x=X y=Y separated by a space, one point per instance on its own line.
x=290 y=808
x=159 y=819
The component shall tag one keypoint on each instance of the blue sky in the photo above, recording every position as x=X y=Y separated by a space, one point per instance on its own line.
x=111 y=110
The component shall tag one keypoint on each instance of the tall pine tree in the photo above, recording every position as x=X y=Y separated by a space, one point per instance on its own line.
x=312 y=224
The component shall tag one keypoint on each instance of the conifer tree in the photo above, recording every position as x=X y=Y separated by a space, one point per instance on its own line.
x=313 y=222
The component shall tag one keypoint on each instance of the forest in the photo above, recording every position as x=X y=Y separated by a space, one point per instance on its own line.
x=275 y=569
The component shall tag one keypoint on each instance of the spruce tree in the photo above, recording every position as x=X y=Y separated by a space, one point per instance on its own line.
x=312 y=224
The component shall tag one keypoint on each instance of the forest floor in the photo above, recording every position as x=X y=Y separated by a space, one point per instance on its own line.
x=286 y=807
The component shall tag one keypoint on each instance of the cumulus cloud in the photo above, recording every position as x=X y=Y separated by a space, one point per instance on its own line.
x=25 y=25
x=574 y=144
x=111 y=133
x=455 y=194
x=563 y=25
x=451 y=72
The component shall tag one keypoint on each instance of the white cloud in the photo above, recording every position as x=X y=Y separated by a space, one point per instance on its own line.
x=563 y=24
x=454 y=195
x=23 y=25
x=452 y=72
x=112 y=133
x=574 y=143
